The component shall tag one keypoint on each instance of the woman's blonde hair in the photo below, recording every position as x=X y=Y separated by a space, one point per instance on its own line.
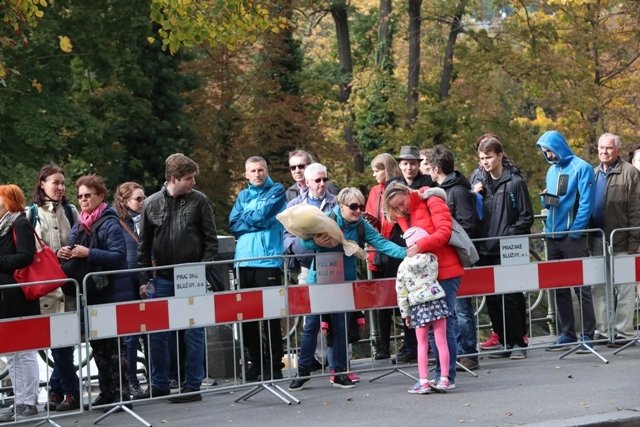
x=393 y=189
x=350 y=193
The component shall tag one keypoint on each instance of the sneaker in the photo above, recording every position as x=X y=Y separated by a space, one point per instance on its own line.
x=405 y=357
x=316 y=366
x=251 y=374
x=563 y=343
x=441 y=387
x=135 y=390
x=186 y=398
x=332 y=377
x=69 y=403
x=54 y=400
x=492 y=343
x=342 y=381
x=100 y=400
x=587 y=343
x=355 y=378
x=433 y=384
x=152 y=391
x=27 y=411
x=381 y=355
x=467 y=363
x=303 y=377
x=12 y=413
x=502 y=354
x=420 y=388
x=518 y=353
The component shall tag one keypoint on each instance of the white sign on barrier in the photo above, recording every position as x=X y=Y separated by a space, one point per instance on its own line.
x=329 y=268
x=514 y=251
x=190 y=281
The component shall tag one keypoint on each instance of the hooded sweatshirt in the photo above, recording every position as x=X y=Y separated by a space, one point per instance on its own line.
x=575 y=205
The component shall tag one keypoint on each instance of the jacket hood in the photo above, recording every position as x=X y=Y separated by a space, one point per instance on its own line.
x=554 y=141
x=453 y=179
x=427 y=192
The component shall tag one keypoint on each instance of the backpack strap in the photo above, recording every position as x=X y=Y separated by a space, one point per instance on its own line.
x=68 y=213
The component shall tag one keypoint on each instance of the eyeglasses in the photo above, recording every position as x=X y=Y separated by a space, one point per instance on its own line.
x=356 y=207
x=317 y=181
x=139 y=199
x=86 y=196
x=294 y=167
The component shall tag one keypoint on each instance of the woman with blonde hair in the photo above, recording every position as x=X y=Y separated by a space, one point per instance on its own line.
x=17 y=250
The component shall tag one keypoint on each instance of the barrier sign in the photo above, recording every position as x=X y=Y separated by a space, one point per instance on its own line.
x=329 y=268
x=514 y=251
x=190 y=281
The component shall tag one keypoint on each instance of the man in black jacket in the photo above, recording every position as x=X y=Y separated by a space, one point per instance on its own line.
x=462 y=204
x=507 y=212
x=177 y=226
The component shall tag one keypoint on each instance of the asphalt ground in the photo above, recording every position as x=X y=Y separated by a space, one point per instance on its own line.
x=542 y=390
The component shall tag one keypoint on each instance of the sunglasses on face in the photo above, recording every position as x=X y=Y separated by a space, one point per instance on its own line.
x=318 y=180
x=86 y=196
x=139 y=199
x=294 y=167
x=356 y=207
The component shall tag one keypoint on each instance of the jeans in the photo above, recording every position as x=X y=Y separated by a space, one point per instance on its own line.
x=450 y=287
x=337 y=352
x=467 y=339
x=63 y=377
x=160 y=354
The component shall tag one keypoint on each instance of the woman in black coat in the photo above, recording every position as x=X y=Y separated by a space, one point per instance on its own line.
x=17 y=249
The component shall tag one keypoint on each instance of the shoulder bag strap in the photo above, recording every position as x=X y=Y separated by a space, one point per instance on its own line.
x=128 y=229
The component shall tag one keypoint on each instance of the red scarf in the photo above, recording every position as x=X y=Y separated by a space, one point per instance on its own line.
x=88 y=219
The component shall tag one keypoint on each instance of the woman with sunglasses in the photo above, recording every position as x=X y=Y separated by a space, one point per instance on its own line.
x=97 y=243
x=427 y=208
x=128 y=203
x=348 y=214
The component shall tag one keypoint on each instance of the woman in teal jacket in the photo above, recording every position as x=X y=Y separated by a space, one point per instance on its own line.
x=348 y=216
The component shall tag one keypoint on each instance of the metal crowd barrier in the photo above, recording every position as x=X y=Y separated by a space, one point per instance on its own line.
x=227 y=310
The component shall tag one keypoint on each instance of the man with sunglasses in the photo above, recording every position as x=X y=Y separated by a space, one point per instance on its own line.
x=253 y=222
x=298 y=161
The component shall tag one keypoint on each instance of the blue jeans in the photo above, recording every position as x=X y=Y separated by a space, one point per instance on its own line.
x=63 y=377
x=160 y=354
x=337 y=352
x=309 y=340
x=467 y=338
x=450 y=287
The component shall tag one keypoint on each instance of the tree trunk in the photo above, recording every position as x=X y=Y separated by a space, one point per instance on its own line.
x=385 y=37
x=339 y=14
x=447 y=67
x=414 y=61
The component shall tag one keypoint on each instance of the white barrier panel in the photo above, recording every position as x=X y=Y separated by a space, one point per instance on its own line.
x=626 y=269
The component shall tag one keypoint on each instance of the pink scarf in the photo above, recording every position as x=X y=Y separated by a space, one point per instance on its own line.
x=88 y=219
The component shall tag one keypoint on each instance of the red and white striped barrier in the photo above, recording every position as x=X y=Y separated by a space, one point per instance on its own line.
x=39 y=332
x=268 y=303
x=626 y=269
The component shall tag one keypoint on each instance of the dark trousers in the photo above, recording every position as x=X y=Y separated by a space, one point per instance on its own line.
x=271 y=351
x=112 y=367
x=513 y=326
x=572 y=248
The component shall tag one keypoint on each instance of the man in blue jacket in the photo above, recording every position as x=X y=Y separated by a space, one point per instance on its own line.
x=253 y=222
x=569 y=197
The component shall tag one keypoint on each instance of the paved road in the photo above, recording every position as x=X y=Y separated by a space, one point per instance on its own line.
x=541 y=390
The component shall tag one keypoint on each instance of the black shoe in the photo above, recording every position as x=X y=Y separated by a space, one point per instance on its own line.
x=382 y=354
x=303 y=377
x=405 y=358
x=152 y=391
x=253 y=373
x=135 y=390
x=100 y=400
x=186 y=398
x=342 y=381
x=619 y=341
x=277 y=375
